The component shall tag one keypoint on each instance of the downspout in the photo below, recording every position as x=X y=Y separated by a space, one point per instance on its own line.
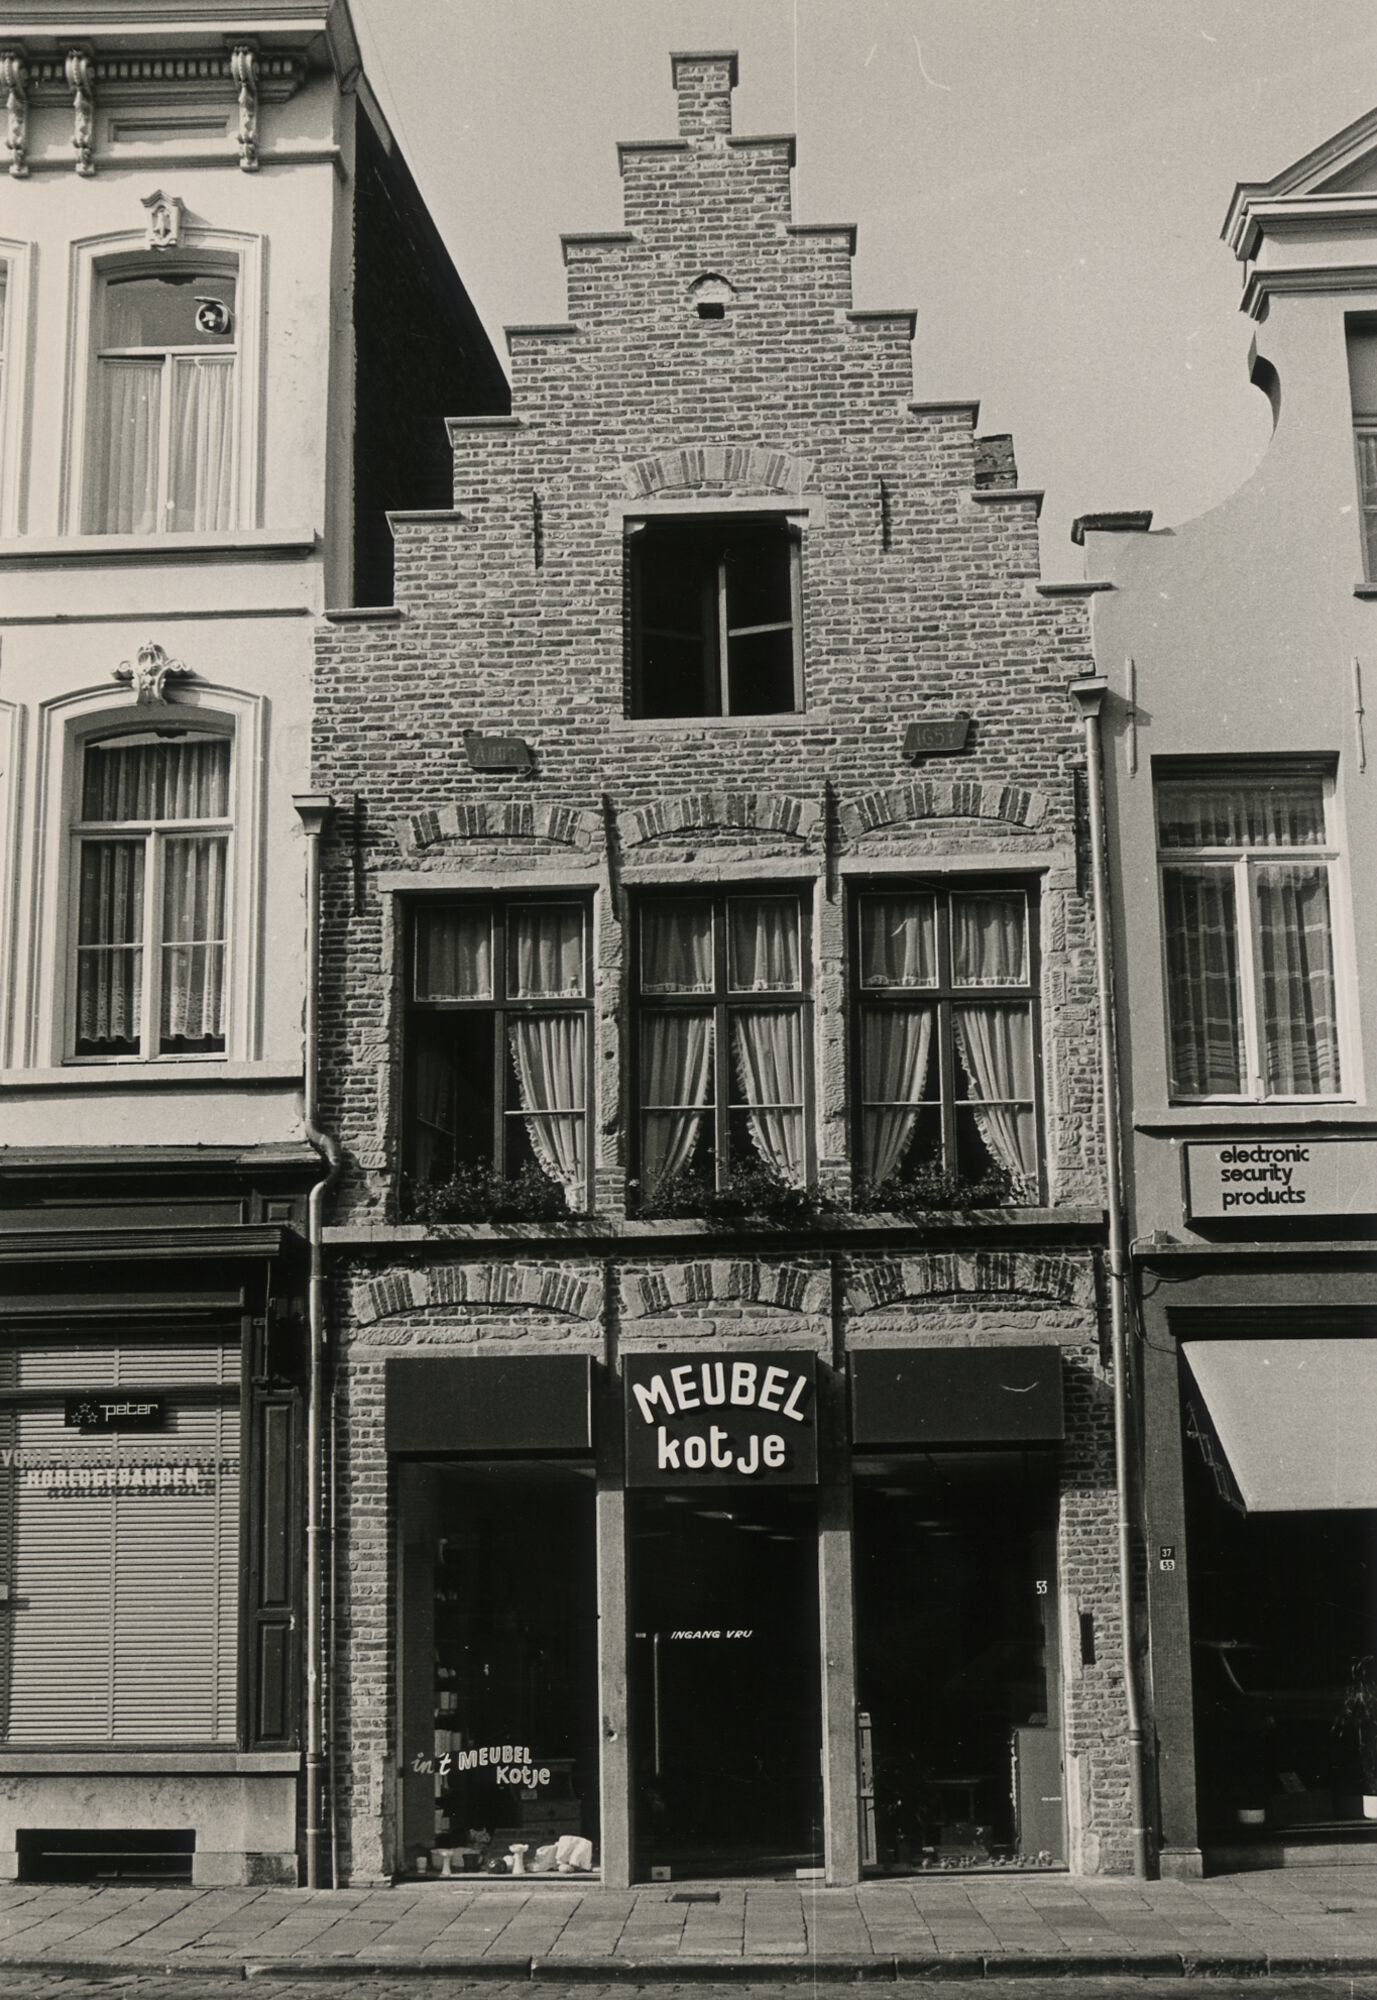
x=1089 y=696
x=314 y=809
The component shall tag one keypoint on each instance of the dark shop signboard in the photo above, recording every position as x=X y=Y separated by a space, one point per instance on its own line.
x=721 y=1419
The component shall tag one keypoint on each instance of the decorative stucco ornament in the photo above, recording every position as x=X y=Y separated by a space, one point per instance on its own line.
x=14 y=80
x=164 y=224
x=244 y=70
x=81 y=83
x=149 y=674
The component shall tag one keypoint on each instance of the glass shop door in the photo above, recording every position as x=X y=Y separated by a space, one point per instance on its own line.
x=726 y=1705
x=957 y=1658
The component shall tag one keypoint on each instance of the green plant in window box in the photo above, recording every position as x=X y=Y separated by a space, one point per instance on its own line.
x=753 y=1193
x=936 y=1187
x=479 y=1194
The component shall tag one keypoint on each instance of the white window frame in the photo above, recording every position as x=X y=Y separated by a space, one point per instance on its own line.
x=154 y=836
x=227 y=252
x=17 y=259
x=65 y=726
x=1242 y=864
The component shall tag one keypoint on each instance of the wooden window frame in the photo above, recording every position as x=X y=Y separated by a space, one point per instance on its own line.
x=497 y=1009
x=721 y=1003
x=717 y=631
x=944 y=996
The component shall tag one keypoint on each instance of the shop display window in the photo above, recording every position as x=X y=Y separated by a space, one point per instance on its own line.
x=956 y=1629
x=1284 y=1661
x=498 y=1634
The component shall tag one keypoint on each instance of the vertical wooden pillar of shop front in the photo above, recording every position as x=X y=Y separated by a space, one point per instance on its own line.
x=614 y=1656
x=841 y=1778
x=1168 y=1569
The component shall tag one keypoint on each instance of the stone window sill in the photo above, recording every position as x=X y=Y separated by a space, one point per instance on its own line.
x=58 y=550
x=207 y=1074
x=1221 y=1117
x=612 y=1229
x=112 y=1762
x=686 y=725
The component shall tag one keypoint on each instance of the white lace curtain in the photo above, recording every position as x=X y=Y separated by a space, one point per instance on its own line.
x=1294 y=971
x=167 y=779
x=545 y=960
x=1300 y=1026
x=144 y=782
x=131 y=460
x=896 y=1043
x=110 y=944
x=994 y=1045
x=193 y=970
x=677 y=1078
x=191 y=936
x=1204 y=1000
x=676 y=1089
x=547 y=1052
x=1210 y=812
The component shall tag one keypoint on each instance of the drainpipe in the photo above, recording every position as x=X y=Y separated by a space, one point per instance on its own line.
x=314 y=809
x=1089 y=696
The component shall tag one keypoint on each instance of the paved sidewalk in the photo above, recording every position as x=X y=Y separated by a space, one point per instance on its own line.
x=1293 y=1923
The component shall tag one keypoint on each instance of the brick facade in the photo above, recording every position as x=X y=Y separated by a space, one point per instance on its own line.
x=921 y=598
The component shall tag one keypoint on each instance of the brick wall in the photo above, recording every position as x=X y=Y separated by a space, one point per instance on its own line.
x=921 y=597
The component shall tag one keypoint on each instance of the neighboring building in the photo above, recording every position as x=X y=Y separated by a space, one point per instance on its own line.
x=229 y=333
x=711 y=906
x=1242 y=803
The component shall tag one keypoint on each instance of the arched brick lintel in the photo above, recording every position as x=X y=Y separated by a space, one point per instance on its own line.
x=794 y=1288
x=514 y=1286
x=1021 y=1277
x=502 y=819
x=732 y=812
x=898 y=805
x=731 y=468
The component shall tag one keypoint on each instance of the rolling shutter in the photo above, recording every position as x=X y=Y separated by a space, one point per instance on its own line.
x=122 y=1621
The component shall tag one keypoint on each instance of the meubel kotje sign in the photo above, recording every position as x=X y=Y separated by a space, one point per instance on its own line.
x=721 y=1419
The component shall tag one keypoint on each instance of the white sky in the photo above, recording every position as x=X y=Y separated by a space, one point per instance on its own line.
x=1043 y=180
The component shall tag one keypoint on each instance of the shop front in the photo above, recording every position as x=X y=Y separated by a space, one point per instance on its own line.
x=687 y=1621
x=149 y=1558
x=1265 y=1578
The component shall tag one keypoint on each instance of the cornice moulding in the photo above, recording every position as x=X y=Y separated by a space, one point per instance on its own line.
x=1259 y=212
x=202 y=76
x=1311 y=279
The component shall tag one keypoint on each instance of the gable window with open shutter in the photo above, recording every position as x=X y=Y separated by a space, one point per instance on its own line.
x=120 y=1546
x=716 y=617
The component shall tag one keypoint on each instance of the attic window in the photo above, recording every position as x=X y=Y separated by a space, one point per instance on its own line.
x=711 y=294
x=715 y=617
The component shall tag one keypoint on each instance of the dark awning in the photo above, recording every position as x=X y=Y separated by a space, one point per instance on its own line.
x=534 y=1402
x=956 y=1395
x=1296 y=1419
